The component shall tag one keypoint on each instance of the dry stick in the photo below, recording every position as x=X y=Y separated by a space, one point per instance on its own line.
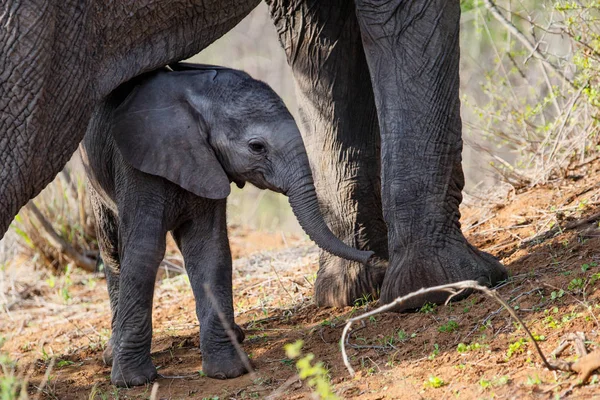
x=168 y=266
x=46 y=378
x=154 y=392
x=281 y=389
x=279 y=279
x=572 y=225
x=493 y=8
x=229 y=330
x=83 y=262
x=451 y=288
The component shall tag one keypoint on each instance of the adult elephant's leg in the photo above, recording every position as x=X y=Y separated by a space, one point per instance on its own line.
x=40 y=92
x=323 y=45
x=412 y=48
x=205 y=248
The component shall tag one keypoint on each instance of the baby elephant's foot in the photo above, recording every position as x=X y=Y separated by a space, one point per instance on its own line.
x=132 y=373
x=107 y=354
x=224 y=364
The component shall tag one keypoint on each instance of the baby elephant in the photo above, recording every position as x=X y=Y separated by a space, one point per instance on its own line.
x=160 y=154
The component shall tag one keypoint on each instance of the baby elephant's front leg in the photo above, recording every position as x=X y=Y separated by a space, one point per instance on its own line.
x=205 y=248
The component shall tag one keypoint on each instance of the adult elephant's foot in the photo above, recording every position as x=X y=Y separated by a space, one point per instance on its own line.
x=239 y=333
x=425 y=265
x=341 y=282
x=136 y=371
x=224 y=363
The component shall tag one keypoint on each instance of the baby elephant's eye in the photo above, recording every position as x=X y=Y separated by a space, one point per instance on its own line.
x=257 y=147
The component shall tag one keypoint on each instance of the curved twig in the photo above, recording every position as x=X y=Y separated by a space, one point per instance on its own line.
x=454 y=289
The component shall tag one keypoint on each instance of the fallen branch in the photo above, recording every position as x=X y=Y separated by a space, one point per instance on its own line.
x=281 y=389
x=80 y=260
x=560 y=229
x=586 y=365
x=454 y=289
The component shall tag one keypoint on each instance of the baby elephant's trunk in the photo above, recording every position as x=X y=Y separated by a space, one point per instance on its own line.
x=303 y=200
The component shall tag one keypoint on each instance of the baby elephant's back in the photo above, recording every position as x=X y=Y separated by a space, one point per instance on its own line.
x=99 y=151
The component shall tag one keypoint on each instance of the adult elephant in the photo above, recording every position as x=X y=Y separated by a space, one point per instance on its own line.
x=355 y=64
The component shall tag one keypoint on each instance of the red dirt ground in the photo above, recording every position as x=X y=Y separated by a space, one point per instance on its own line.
x=548 y=237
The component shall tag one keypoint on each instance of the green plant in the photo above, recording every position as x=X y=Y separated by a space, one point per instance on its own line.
x=64 y=363
x=428 y=308
x=448 y=327
x=435 y=352
x=557 y=295
x=551 y=322
x=363 y=301
x=434 y=382
x=45 y=356
x=315 y=375
x=498 y=381
x=388 y=341
x=402 y=336
x=96 y=393
x=538 y=338
x=463 y=348
x=287 y=361
x=576 y=284
x=326 y=322
x=516 y=347
x=484 y=383
x=501 y=381
x=585 y=267
x=12 y=387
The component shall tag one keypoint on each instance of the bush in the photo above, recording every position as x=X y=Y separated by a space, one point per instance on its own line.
x=57 y=227
x=537 y=104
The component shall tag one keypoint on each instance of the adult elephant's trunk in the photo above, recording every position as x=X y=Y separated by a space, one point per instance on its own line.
x=303 y=199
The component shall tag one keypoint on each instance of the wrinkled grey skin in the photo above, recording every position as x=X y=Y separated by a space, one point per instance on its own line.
x=160 y=153
x=379 y=92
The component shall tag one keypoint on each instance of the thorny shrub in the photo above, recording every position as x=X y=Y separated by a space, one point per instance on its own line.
x=538 y=103
x=56 y=229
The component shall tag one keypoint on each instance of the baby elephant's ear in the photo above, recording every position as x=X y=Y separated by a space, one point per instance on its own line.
x=162 y=136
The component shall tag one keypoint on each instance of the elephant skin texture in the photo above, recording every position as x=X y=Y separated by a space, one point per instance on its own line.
x=160 y=154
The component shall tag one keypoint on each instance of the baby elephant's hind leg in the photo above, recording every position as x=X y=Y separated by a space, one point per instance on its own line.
x=141 y=248
x=205 y=248
x=107 y=232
